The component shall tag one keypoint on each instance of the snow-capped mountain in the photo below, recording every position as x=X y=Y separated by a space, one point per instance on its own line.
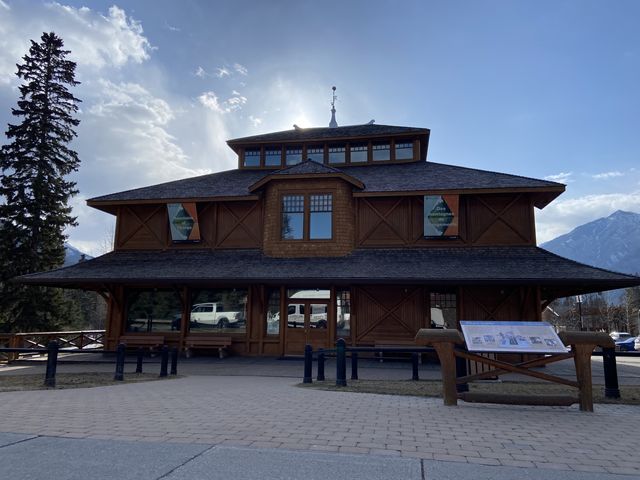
x=73 y=255
x=612 y=242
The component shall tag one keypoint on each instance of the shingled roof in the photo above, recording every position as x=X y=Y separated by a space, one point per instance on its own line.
x=426 y=266
x=324 y=133
x=409 y=177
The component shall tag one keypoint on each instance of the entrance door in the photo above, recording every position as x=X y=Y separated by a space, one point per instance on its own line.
x=307 y=323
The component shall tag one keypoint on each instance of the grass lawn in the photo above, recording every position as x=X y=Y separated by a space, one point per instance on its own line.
x=630 y=394
x=9 y=383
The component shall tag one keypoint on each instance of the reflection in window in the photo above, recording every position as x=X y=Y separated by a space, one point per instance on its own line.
x=316 y=154
x=309 y=293
x=337 y=154
x=320 y=227
x=294 y=155
x=222 y=310
x=273 y=156
x=295 y=315
x=252 y=157
x=273 y=311
x=381 y=152
x=318 y=315
x=404 y=151
x=343 y=313
x=359 y=153
x=153 y=311
x=443 y=310
x=292 y=217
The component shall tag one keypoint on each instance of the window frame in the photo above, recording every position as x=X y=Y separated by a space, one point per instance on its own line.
x=306 y=222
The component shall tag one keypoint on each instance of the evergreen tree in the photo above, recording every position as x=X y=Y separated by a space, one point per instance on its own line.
x=34 y=191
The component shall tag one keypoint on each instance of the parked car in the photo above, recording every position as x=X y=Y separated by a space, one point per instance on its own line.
x=636 y=344
x=626 y=344
x=620 y=336
x=210 y=314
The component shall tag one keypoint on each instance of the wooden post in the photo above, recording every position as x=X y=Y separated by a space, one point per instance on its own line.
x=444 y=341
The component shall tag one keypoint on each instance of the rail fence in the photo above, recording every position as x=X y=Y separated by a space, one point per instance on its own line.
x=24 y=344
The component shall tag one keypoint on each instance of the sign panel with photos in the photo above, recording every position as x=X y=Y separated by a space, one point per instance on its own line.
x=441 y=216
x=183 y=222
x=511 y=337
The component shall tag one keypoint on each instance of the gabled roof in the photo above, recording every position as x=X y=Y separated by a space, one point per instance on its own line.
x=326 y=133
x=418 y=178
x=307 y=169
x=509 y=265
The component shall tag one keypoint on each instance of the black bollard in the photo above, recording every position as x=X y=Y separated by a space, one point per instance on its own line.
x=119 y=375
x=320 y=365
x=611 y=389
x=174 y=361
x=164 y=360
x=52 y=363
x=341 y=363
x=140 y=354
x=461 y=371
x=308 y=364
x=354 y=365
x=415 y=357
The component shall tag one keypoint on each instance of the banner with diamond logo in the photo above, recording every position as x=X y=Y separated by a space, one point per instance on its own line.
x=183 y=222
x=441 y=216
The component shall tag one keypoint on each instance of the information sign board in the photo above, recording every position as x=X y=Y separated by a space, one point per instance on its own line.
x=510 y=337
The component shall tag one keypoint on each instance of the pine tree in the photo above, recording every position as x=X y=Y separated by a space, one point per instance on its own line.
x=34 y=191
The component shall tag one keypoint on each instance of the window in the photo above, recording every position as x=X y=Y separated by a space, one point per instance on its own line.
x=252 y=157
x=153 y=310
x=359 y=153
x=381 y=152
x=273 y=311
x=443 y=310
x=221 y=310
x=337 y=154
x=343 y=313
x=307 y=217
x=316 y=154
x=404 y=151
x=273 y=156
x=293 y=217
x=294 y=155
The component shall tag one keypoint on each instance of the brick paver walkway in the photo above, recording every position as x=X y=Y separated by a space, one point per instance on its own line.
x=273 y=413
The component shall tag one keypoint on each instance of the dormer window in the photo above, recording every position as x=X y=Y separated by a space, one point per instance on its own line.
x=337 y=154
x=359 y=153
x=404 y=151
x=381 y=152
x=294 y=155
x=315 y=153
x=272 y=156
x=252 y=157
x=307 y=217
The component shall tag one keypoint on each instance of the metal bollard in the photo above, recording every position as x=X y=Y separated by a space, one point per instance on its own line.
x=354 y=365
x=461 y=371
x=611 y=388
x=164 y=360
x=174 y=361
x=52 y=363
x=120 y=351
x=308 y=364
x=341 y=363
x=140 y=355
x=320 y=377
x=415 y=357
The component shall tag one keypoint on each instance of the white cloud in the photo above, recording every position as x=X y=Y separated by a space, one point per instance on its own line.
x=200 y=72
x=241 y=69
x=607 y=175
x=222 y=72
x=255 y=121
x=562 y=216
x=562 y=177
x=4 y=5
x=211 y=101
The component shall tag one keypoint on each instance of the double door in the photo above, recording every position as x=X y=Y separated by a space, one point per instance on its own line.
x=306 y=322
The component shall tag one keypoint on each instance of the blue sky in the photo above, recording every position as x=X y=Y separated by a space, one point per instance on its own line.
x=547 y=89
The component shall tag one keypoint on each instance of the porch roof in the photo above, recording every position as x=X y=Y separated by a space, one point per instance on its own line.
x=509 y=265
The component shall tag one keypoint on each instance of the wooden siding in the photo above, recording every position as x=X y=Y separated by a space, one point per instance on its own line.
x=222 y=225
x=491 y=219
x=499 y=303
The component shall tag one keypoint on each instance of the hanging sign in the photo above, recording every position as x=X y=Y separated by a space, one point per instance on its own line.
x=183 y=222
x=441 y=216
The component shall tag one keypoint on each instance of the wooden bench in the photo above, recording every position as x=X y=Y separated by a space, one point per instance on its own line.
x=206 y=343
x=150 y=341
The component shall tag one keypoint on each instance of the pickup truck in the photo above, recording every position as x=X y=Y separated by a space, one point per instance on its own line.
x=211 y=314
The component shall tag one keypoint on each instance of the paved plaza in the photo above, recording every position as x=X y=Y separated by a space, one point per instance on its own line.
x=262 y=426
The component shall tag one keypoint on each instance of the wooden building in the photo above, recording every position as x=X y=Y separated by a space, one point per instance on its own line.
x=323 y=233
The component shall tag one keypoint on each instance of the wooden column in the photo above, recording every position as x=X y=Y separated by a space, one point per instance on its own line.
x=444 y=341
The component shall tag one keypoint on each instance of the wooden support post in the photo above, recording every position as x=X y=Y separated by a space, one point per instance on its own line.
x=582 y=361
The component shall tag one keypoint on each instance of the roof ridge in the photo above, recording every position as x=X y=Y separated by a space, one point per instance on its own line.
x=297 y=166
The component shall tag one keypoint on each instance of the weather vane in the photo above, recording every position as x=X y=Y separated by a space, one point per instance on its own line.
x=333 y=123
